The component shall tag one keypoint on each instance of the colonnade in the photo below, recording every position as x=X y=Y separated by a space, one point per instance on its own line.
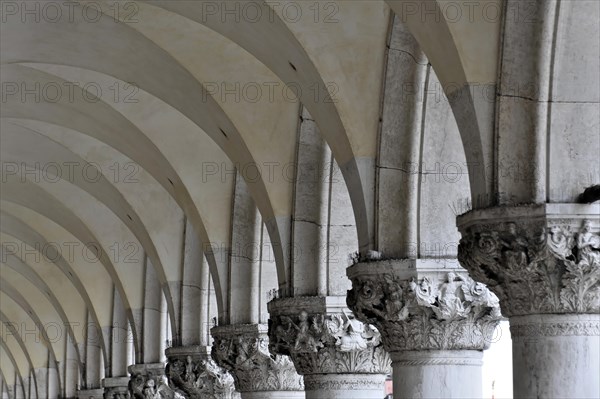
x=426 y=319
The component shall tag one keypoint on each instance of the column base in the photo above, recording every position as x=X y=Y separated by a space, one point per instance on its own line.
x=437 y=374
x=556 y=356
x=344 y=386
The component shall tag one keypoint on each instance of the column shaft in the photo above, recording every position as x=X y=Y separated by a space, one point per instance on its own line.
x=552 y=351
x=53 y=383
x=437 y=374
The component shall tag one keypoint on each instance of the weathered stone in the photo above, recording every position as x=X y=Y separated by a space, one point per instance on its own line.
x=328 y=345
x=435 y=321
x=543 y=262
x=243 y=350
x=192 y=373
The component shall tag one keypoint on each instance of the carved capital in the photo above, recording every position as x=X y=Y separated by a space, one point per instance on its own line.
x=145 y=380
x=423 y=307
x=243 y=350
x=192 y=373
x=116 y=388
x=537 y=259
x=116 y=393
x=323 y=337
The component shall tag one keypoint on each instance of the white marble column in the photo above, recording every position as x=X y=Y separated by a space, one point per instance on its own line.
x=94 y=362
x=435 y=322
x=543 y=262
x=339 y=356
x=71 y=369
x=437 y=374
x=53 y=383
x=560 y=349
x=41 y=377
x=154 y=321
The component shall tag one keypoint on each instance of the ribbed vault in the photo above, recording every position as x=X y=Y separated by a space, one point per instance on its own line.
x=170 y=166
x=163 y=140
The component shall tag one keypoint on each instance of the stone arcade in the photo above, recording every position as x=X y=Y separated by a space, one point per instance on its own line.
x=299 y=199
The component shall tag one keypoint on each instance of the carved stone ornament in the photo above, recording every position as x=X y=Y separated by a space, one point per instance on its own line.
x=193 y=374
x=116 y=388
x=148 y=381
x=115 y=393
x=536 y=326
x=321 y=341
x=435 y=310
x=537 y=259
x=243 y=350
x=345 y=382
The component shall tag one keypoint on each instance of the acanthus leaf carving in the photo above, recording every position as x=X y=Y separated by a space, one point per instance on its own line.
x=116 y=388
x=197 y=376
x=116 y=394
x=151 y=390
x=148 y=381
x=246 y=356
x=536 y=267
x=428 y=313
x=320 y=342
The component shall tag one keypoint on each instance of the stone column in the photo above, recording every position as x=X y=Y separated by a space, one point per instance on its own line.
x=435 y=322
x=192 y=373
x=339 y=356
x=543 y=262
x=53 y=382
x=243 y=350
x=116 y=387
x=145 y=379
